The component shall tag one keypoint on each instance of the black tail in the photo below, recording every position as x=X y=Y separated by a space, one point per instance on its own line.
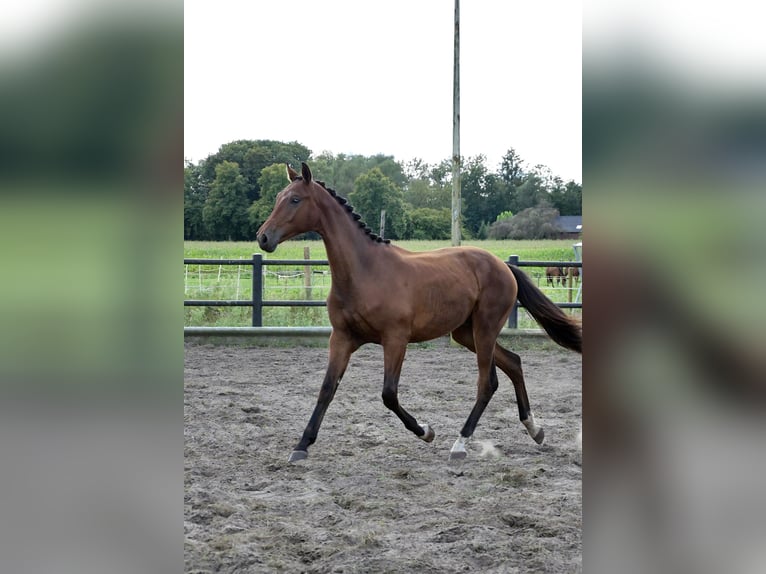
x=560 y=327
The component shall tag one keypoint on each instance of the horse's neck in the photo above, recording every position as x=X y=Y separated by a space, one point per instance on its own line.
x=348 y=248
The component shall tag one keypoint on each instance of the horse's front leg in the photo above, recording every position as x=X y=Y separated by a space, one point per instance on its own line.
x=341 y=348
x=483 y=346
x=393 y=357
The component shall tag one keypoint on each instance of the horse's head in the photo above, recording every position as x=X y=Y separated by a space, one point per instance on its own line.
x=295 y=210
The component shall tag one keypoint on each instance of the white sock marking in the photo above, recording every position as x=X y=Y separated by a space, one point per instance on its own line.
x=532 y=427
x=459 y=445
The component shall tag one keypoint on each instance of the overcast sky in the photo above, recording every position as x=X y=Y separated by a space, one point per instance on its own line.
x=376 y=77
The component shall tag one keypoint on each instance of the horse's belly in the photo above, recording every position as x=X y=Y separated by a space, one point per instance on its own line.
x=420 y=316
x=437 y=321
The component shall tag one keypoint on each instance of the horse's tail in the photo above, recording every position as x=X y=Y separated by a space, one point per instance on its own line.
x=564 y=330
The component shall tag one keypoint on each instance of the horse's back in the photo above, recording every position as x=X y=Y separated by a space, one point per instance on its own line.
x=467 y=268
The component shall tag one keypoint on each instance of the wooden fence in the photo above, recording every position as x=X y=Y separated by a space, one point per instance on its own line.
x=257 y=301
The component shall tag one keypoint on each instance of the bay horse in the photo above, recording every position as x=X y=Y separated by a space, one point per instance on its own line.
x=555 y=275
x=384 y=294
x=575 y=272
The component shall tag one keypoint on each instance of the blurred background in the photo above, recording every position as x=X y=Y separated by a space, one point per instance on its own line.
x=674 y=144
x=91 y=391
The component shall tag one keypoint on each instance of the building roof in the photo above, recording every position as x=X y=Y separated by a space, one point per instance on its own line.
x=569 y=223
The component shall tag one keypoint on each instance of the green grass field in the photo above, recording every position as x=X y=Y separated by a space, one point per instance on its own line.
x=543 y=249
x=291 y=283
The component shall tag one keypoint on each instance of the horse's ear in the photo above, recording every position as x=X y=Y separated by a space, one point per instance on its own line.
x=292 y=175
x=305 y=172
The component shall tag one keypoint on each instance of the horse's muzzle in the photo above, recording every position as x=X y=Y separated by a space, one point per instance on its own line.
x=266 y=242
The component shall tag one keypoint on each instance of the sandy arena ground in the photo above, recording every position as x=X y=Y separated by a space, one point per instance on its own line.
x=372 y=497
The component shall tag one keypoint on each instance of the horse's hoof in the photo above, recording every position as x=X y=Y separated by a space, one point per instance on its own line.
x=429 y=434
x=297 y=455
x=532 y=427
x=458 y=452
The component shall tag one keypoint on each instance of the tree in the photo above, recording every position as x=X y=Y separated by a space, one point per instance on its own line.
x=416 y=168
x=430 y=223
x=422 y=193
x=416 y=185
x=389 y=167
x=423 y=189
x=373 y=192
x=484 y=194
x=548 y=180
x=441 y=173
x=233 y=152
x=195 y=194
x=225 y=211
x=568 y=198
x=341 y=172
x=252 y=156
x=529 y=194
x=323 y=167
x=511 y=168
x=273 y=180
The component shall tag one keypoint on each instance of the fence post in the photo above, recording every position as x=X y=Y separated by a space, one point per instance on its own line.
x=257 y=290
x=382 y=223
x=513 y=318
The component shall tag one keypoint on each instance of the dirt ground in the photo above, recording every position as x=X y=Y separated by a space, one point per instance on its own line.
x=372 y=497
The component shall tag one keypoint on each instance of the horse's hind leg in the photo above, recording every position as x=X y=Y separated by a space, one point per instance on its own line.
x=393 y=358
x=510 y=364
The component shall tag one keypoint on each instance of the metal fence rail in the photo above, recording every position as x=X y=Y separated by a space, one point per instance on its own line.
x=257 y=302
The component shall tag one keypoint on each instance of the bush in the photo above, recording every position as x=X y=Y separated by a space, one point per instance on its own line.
x=531 y=223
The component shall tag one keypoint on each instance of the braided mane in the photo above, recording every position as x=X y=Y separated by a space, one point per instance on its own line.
x=354 y=215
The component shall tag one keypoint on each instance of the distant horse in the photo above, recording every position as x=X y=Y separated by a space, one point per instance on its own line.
x=383 y=294
x=575 y=274
x=555 y=275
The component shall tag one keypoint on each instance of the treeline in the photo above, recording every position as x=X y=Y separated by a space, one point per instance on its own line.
x=229 y=194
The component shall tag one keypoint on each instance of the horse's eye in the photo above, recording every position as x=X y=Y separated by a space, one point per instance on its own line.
x=295 y=199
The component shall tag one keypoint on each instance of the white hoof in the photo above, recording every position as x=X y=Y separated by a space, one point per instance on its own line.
x=458 y=452
x=534 y=430
x=297 y=455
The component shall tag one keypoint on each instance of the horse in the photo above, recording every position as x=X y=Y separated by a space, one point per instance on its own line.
x=555 y=275
x=383 y=294
x=575 y=273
